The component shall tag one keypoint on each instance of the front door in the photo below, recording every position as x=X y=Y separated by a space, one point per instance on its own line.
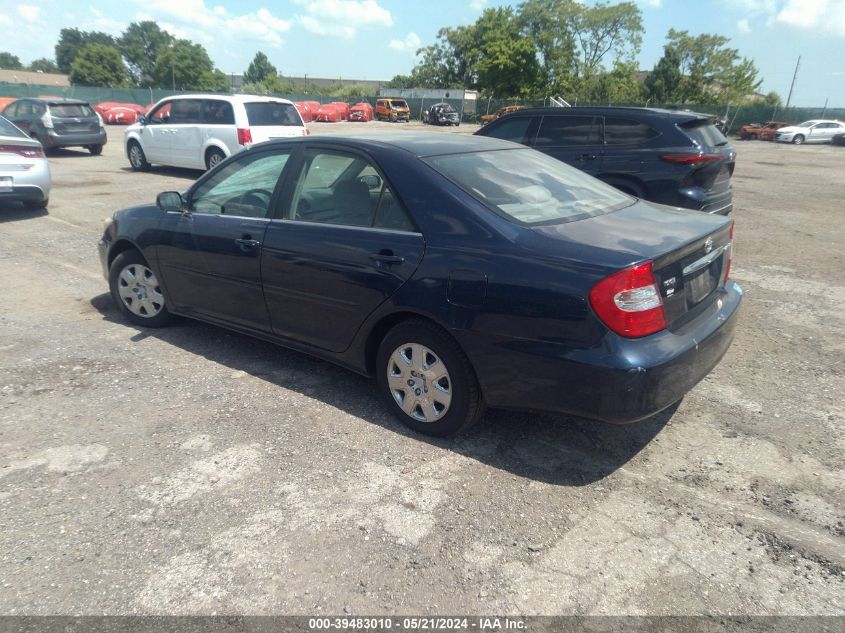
x=186 y=136
x=345 y=246
x=210 y=255
x=157 y=134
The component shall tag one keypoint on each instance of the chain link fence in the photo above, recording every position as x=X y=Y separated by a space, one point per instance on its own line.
x=472 y=109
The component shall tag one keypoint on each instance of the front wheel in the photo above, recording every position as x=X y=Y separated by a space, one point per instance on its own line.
x=427 y=380
x=136 y=291
x=137 y=158
x=798 y=139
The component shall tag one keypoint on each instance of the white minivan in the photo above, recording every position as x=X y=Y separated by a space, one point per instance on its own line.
x=199 y=131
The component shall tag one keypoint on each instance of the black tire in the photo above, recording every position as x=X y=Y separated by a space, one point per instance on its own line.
x=392 y=118
x=214 y=157
x=798 y=139
x=137 y=158
x=134 y=262
x=466 y=405
x=36 y=204
x=95 y=150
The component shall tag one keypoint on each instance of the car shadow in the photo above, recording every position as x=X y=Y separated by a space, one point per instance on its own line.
x=556 y=449
x=171 y=172
x=67 y=152
x=14 y=211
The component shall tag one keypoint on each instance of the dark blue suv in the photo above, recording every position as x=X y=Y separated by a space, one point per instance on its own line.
x=675 y=158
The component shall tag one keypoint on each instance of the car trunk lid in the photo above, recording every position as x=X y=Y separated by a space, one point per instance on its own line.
x=73 y=118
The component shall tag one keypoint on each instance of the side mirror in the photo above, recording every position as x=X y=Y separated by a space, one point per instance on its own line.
x=372 y=181
x=142 y=119
x=170 y=201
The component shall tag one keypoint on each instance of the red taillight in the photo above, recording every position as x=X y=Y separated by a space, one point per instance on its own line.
x=244 y=136
x=629 y=303
x=27 y=151
x=729 y=252
x=691 y=159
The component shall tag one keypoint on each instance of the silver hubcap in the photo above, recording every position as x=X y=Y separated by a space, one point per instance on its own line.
x=419 y=382
x=139 y=291
x=214 y=160
x=135 y=156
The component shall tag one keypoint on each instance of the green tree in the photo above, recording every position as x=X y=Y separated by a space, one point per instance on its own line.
x=260 y=69
x=186 y=66
x=401 y=81
x=72 y=41
x=665 y=83
x=547 y=24
x=617 y=86
x=44 y=65
x=711 y=71
x=503 y=60
x=605 y=29
x=773 y=99
x=98 y=65
x=141 y=44
x=12 y=62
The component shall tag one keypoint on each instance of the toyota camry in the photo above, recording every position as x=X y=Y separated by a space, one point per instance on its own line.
x=460 y=272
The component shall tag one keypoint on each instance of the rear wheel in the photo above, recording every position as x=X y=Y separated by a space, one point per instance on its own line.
x=798 y=139
x=137 y=158
x=427 y=380
x=214 y=157
x=36 y=204
x=136 y=291
x=95 y=150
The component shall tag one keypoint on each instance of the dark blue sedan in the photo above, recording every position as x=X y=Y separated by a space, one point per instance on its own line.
x=461 y=272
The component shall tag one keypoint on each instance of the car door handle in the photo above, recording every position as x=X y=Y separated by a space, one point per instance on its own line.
x=588 y=157
x=387 y=258
x=247 y=242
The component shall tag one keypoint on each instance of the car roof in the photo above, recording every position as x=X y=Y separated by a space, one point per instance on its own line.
x=659 y=113
x=420 y=144
x=239 y=98
x=61 y=101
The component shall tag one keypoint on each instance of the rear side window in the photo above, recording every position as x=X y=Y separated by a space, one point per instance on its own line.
x=271 y=114
x=513 y=129
x=11 y=110
x=627 y=132
x=64 y=110
x=705 y=134
x=216 y=112
x=7 y=129
x=556 y=131
x=185 y=111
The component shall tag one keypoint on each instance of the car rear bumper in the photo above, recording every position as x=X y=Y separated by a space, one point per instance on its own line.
x=74 y=140
x=620 y=381
x=698 y=199
x=24 y=193
x=30 y=181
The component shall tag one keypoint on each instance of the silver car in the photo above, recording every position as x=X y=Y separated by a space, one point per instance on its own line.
x=24 y=170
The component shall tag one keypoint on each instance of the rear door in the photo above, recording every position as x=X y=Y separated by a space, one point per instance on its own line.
x=269 y=120
x=627 y=153
x=210 y=256
x=345 y=245
x=574 y=139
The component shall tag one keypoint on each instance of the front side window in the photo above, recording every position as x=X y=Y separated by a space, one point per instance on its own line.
x=242 y=188
x=345 y=189
x=161 y=114
x=513 y=129
x=185 y=111
x=529 y=187
x=557 y=131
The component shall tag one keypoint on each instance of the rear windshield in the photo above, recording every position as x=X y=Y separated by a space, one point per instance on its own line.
x=7 y=129
x=705 y=134
x=270 y=114
x=71 y=110
x=529 y=187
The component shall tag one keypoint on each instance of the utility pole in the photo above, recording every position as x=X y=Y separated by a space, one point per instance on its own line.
x=824 y=110
x=792 y=85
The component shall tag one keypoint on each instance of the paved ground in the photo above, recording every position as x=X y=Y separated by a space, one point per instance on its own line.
x=190 y=470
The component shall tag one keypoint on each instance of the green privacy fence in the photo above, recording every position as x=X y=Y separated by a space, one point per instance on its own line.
x=472 y=110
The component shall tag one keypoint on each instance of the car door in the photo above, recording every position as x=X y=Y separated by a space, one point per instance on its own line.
x=187 y=135
x=575 y=139
x=344 y=246
x=156 y=135
x=627 y=152
x=210 y=254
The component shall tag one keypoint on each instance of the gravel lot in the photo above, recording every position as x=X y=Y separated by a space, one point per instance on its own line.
x=190 y=470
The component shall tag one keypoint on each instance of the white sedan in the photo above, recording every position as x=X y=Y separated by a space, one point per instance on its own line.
x=815 y=131
x=24 y=170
